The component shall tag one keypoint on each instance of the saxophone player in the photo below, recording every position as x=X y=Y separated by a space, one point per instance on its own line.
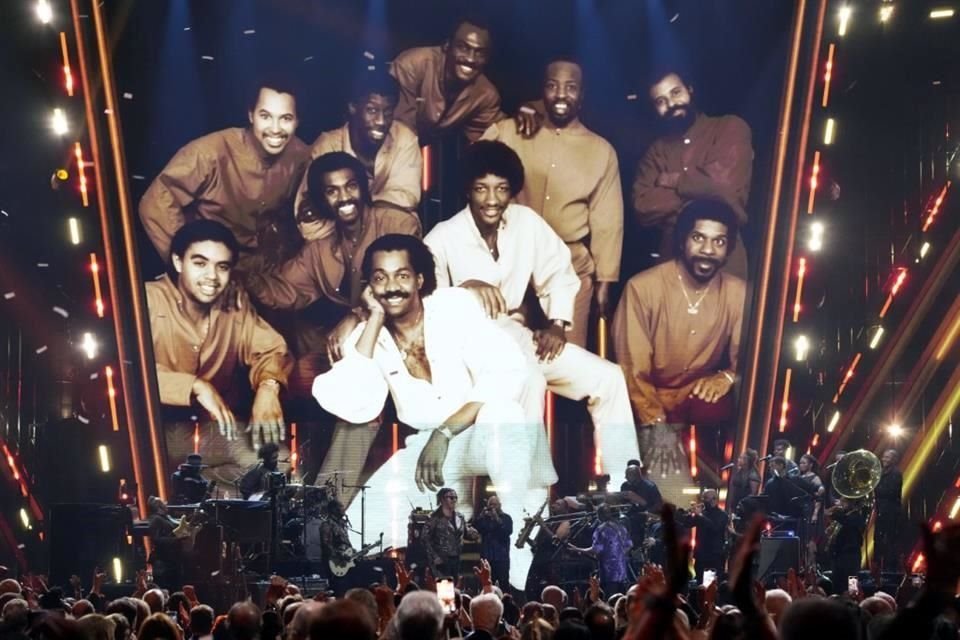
x=845 y=539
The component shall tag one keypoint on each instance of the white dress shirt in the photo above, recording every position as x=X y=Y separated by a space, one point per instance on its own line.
x=471 y=360
x=530 y=253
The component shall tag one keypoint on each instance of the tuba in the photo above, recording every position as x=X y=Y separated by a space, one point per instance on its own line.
x=857 y=474
x=855 y=477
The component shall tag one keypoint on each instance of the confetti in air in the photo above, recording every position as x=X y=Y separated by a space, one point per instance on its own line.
x=61 y=311
x=9 y=295
x=206 y=57
x=368 y=55
x=41 y=349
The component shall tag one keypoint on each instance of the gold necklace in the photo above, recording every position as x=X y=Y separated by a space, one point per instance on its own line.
x=693 y=308
x=402 y=345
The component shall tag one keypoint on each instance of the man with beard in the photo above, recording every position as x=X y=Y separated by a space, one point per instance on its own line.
x=698 y=157
x=199 y=345
x=888 y=505
x=255 y=481
x=443 y=88
x=455 y=378
x=676 y=330
x=572 y=179
x=326 y=276
x=244 y=178
x=386 y=147
x=496 y=249
x=641 y=492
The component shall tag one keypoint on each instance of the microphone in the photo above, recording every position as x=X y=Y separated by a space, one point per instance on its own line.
x=728 y=466
x=765 y=458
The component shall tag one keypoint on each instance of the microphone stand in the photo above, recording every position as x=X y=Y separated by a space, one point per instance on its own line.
x=363 y=509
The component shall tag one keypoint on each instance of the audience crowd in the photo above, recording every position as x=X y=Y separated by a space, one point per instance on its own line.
x=660 y=605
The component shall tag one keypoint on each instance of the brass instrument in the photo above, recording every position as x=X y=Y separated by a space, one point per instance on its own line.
x=855 y=477
x=529 y=524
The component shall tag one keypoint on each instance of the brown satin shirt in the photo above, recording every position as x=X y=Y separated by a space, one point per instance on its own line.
x=424 y=108
x=224 y=176
x=662 y=348
x=715 y=161
x=322 y=266
x=236 y=338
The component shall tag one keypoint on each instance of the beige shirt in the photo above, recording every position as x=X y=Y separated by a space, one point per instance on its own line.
x=224 y=176
x=234 y=338
x=398 y=166
x=662 y=348
x=423 y=106
x=572 y=179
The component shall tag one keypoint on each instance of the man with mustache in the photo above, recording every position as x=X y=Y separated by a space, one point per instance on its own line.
x=245 y=178
x=698 y=157
x=444 y=89
x=199 y=344
x=388 y=149
x=497 y=249
x=572 y=179
x=327 y=277
x=455 y=377
x=676 y=330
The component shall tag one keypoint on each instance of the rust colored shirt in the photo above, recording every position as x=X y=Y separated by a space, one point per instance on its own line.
x=572 y=179
x=224 y=176
x=662 y=348
x=235 y=338
x=423 y=106
x=715 y=161
x=323 y=266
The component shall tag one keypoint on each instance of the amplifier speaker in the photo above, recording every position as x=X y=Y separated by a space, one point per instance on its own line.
x=777 y=555
x=85 y=536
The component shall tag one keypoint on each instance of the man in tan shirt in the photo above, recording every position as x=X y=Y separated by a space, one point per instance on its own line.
x=199 y=344
x=326 y=276
x=698 y=157
x=388 y=149
x=245 y=178
x=572 y=179
x=443 y=88
x=677 y=328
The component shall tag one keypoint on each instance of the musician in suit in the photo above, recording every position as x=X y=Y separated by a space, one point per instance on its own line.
x=495 y=527
x=888 y=506
x=845 y=539
x=166 y=553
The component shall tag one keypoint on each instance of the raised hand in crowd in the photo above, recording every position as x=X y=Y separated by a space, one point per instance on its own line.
x=748 y=593
x=483 y=575
x=99 y=577
x=403 y=576
x=429 y=582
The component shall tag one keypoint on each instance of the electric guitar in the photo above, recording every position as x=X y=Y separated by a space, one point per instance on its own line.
x=340 y=565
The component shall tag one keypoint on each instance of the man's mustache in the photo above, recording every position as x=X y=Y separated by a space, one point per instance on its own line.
x=395 y=294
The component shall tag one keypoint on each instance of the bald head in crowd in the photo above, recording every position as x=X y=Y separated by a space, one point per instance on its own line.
x=156 y=600
x=244 y=621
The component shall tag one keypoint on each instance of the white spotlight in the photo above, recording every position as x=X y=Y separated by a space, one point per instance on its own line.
x=44 y=11
x=58 y=122
x=89 y=345
x=802 y=347
x=895 y=431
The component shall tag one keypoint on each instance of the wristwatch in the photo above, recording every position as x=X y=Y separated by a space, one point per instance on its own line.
x=445 y=431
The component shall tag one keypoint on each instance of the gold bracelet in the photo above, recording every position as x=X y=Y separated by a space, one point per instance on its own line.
x=728 y=376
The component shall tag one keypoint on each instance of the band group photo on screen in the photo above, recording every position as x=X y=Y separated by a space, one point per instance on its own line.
x=418 y=283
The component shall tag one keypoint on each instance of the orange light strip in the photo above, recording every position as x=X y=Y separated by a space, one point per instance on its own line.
x=848 y=375
x=396 y=437
x=828 y=76
x=95 y=274
x=67 y=73
x=426 y=179
x=17 y=476
x=693 y=451
x=112 y=395
x=899 y=282
x=814 y=181
x=196 y=437
x=602 y=337
x=801 y=272
x=936 y=206
x=81 y=165
x=785 y=405
x=293 y=447
x=548 y=418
